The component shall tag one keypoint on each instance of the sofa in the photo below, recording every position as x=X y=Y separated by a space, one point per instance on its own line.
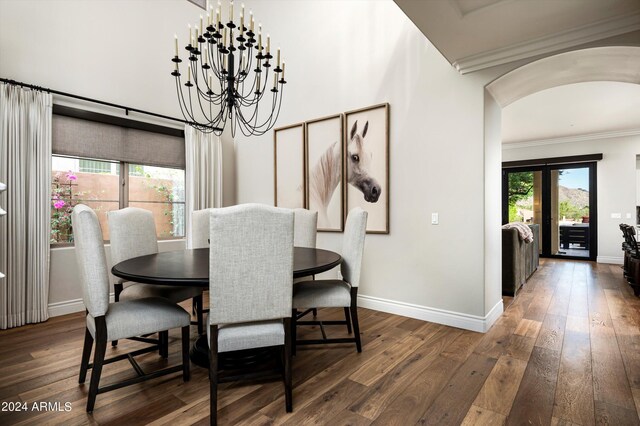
x=519 y=259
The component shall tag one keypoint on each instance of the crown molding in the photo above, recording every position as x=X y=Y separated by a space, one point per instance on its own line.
x=602 y=29
x=462 y=14
x=570 y=139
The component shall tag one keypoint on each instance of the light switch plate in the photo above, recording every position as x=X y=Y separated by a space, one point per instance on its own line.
x=434 y=218
x=616 y=215
x=628 y=215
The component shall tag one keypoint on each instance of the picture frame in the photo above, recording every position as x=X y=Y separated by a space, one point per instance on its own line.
x=289 y=166
x=324 y=144
x=366 y=175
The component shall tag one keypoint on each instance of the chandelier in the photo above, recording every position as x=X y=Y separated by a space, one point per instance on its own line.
x=228 y=72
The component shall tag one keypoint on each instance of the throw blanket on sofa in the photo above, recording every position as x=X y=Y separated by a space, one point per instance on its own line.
x=524 y=232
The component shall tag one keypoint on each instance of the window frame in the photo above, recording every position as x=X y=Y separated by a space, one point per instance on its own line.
x=123 y=192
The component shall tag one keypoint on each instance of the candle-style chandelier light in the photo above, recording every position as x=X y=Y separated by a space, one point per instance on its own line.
x=228 y=72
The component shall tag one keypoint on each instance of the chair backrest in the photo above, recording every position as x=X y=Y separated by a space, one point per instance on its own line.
x=200 y=228
x=91 y=258
x=250 y=264
x=132 y=232
x=630 y=235
x=353 y=245
x=305 y=228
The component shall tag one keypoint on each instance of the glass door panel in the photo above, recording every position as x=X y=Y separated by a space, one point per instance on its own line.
x=525 y=197
x=570 y=234
x=561 y=199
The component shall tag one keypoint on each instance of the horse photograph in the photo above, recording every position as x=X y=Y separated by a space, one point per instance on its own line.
x=325 y=160
x=367 y=164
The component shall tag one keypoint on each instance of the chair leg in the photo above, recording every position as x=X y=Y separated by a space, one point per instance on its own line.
x=197 y=301
x=288 y=393
x=164 y=344
x=98 y=360
x=186 y=372
x=354 y=317
x=315 y=310
x=294 y=320
x=117 y=289
x=213 y=375
x=86 y=354
x=347 y=318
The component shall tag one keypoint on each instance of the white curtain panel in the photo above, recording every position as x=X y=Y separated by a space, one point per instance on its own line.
x=203 y=153
x=25 y=167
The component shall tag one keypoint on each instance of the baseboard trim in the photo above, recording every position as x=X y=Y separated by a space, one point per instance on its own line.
x=410 y=310
x=614 y=260
x=69 y=306
x=440 y=316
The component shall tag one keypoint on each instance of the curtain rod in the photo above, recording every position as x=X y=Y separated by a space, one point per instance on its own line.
x=83 y=98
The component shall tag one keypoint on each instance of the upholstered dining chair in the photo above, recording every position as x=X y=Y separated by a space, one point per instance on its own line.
x=305 y=228
x=200 y=239
x=200 y=228
x=305 y=231
x=109 y=321
x=336 y=293
x=250 y=286
x=132 y=233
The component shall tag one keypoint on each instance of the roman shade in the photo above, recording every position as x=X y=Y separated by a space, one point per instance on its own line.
x=90 y=139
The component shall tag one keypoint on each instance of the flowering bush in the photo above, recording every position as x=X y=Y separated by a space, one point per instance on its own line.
x=62 y=205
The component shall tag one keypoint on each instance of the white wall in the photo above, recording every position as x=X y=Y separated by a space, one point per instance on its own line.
x=346 y=55
x=492 y=205
x=616 y=183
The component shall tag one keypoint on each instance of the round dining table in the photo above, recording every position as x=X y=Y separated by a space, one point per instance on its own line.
x=191 y=268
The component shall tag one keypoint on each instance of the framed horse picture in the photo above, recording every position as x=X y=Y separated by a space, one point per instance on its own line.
x=289 y=167
x=325 y=157
x=366 y=136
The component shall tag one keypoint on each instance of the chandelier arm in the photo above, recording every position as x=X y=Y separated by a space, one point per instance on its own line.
x=212 y=60
x=200 y=92
x=181 y=101
x=205 y=94
x=202 y=109
x=186 y=113
x=270 y=122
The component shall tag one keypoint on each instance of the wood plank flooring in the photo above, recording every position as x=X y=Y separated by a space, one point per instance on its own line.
x=566 y=351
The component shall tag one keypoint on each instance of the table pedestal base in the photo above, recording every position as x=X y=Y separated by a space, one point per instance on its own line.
x=246 y=361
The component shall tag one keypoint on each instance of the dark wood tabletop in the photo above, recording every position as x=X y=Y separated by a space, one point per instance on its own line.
x=191 y=267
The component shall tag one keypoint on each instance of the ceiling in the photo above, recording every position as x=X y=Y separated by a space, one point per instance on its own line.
x=588 y=108
x=477 y=34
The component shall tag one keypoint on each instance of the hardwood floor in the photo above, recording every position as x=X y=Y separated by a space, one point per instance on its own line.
x=566 y=351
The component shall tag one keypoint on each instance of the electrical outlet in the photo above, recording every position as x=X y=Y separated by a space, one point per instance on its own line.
x=434 y=218
x=628 y=215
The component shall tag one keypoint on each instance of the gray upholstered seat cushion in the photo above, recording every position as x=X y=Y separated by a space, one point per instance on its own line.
x=322 y=293
x=141 y=316
x=173 y=293
x=236 y=337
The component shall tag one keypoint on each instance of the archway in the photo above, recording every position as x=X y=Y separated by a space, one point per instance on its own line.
x=616 y=63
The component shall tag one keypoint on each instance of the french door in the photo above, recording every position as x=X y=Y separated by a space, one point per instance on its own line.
x=562 y=199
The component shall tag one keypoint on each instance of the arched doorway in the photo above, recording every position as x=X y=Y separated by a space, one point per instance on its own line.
x=617 y=63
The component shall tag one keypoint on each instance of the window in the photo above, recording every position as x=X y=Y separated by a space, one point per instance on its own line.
x=160 y=190
x=110 y=185
x=93 y=166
